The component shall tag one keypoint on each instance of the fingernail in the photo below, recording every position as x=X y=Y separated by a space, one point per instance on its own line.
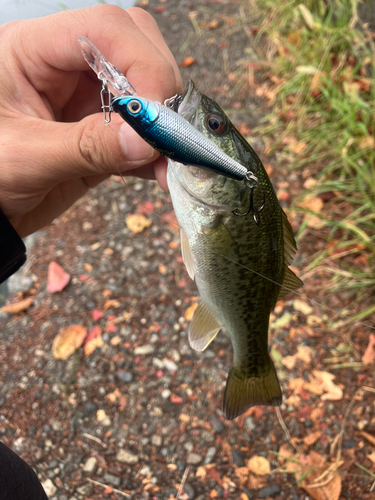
x=134 y=148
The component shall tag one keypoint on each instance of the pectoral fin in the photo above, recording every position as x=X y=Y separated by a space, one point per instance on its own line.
x=187 y=256
x=203 y=328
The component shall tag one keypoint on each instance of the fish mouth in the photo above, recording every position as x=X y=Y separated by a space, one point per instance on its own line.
x=189 y=104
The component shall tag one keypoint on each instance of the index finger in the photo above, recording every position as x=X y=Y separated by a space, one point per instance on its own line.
x=50 y=49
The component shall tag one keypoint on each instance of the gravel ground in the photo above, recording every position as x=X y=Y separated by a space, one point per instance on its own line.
x=130 y=419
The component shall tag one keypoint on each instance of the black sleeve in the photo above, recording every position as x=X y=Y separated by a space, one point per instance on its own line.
x=18 y=481
x=12 y=249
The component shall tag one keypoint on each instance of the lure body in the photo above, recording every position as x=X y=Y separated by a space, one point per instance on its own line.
x=174 y=137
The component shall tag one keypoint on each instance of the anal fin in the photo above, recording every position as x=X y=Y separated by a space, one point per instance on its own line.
x=203 y=328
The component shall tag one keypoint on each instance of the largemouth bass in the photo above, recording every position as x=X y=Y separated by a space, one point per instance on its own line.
x=219 y=249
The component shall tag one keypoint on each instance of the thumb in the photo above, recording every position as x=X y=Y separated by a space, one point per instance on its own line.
x=62 y=151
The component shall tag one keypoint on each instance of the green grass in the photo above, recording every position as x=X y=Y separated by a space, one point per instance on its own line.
x=323 y=60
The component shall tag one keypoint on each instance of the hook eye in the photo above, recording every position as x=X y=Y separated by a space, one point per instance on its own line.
x=134 y=106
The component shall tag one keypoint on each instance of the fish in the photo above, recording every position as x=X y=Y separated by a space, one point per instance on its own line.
x=219 y=248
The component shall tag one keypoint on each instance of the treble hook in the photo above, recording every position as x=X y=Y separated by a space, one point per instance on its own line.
x=251 y=181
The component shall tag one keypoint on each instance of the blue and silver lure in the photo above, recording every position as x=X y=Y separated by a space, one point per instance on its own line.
x=166 y=131
x=174 y=137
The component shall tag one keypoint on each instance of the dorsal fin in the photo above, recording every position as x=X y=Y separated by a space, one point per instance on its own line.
x=187 y=256
x=203 y=328
x=290 y=246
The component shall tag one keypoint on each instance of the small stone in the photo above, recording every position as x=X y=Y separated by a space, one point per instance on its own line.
x=170 y=365
x=194 y=459
x=207 y=436
x=111 y=479
x=145 y=471
x=91 y=465
x=124 y=376
x=216 y=424
x=189 y=446
x=156 y=440
x=57 y=426
x=210 y=455
x=49 y=487
x=127 y=457
x=165 y=394
x=349 y=443
x=89 y=409
x=237 y=458
x=308 y=423
x=189 y=491
x=143 y=350
x=269 y=491
x=250 y=424
x=181 y=465
x=85 y=489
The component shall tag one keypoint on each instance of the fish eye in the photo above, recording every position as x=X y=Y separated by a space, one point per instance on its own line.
x=134 y=107
x=216 y=124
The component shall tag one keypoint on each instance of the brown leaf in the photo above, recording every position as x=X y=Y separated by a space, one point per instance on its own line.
x=369 y=437
x=188 y=61
x=189 y=313
x=312 y=438
x=137 y=222
x=17 y=307
x=259 y=465
x=68 y=340
x=369 y=354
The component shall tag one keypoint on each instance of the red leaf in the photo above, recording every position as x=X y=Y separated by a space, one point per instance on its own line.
x=369 y=355
x=57 y=278
x=96 y=314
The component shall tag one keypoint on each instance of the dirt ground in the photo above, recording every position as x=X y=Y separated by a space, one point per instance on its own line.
x=142 y=413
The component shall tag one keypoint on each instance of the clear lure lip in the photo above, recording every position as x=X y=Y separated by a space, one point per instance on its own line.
x=117 y=84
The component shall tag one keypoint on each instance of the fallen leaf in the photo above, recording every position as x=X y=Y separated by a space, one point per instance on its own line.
x=369 y=437
x=297 y=147
x=68 y=340
x=96 y=314
x=137 y=222
x=17 y=307
x=303 y=307
x=312 y=438
x=259 y=465
x=314 y=466
x=112 y=303
x=369 y=354
x=303 y=353
x=189 y=313
x=371 y=457
x=367 y=142
x=188 y=61
x=323 y=381
x=93 y=340
x=57 y=278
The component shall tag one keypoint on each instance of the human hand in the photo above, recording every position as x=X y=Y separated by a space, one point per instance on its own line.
x=53 y=142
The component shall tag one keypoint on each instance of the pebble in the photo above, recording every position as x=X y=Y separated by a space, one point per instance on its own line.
x=216 y=424
x=57 y=426
x=165 y=394
x=194 y=459
x=207 y=436
x=210 y=455
x=189 y=446
x=91 y=465
x=143 y=350
x=170 y=365
x=89 y=409
x=181 y=465
x=189 y=491
x=19 y=283
x=269 y=491
x=111 y=479
x=85 y=489
x=237 y=458
x=349 y=443
x=124 y=376
x=308 y=423
x=250 y=424
x=49 y=487
x=127 y=457
x=156 y=440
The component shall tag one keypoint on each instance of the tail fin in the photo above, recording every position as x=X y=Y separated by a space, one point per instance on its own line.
x=241 y=393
